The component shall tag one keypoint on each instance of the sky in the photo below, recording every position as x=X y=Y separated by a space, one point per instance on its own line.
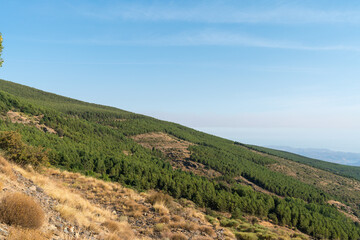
x=259 y=72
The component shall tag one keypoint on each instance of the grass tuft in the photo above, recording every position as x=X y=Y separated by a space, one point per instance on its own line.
x=21 y=210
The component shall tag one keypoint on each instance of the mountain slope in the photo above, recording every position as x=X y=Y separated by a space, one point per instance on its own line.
x=348 y=171
x=109 y=143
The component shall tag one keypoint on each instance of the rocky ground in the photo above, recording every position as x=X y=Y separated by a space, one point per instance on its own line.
x=55 y=225
x=80 y=207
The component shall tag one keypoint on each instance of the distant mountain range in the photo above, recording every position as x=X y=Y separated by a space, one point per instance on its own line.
x=347 y=158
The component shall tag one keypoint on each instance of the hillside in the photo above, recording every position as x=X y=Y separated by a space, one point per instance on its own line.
x=347 y=171
x=81 y=207
x=145 y=153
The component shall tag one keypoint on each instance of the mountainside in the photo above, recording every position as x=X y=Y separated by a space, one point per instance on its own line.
x=145 y=153
x=348 y=171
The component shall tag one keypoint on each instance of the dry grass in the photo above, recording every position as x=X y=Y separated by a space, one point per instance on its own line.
x=229 y=234
x=73 y=207
x=164 y=219
x=193 y=213
x=134 y=209
x=178 y=236
x=26 y=234
x=21 y=210
x=161 y=208
x=202 y=238
x=208 y=230
x=176 y=218
x=5 y=168
x=154 y=197
x=112 y=225
x=190 y=226
x=119 y=231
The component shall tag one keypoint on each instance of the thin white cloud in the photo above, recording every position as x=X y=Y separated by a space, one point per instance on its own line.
x=222 y=38
x=200 y=38
x=219 y=12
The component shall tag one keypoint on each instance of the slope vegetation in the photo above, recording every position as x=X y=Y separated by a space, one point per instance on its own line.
x=344 y=170
x=104 y=142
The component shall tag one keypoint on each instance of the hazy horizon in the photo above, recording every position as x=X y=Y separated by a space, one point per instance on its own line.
x=264 y=72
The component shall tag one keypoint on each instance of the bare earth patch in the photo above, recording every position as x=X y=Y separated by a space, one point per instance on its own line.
x=18 y=117
x=345 y=210
x=176 y=150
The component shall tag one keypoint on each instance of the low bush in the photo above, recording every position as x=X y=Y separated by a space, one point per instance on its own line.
x=21 y=210
x=246 y=236
x=154 y=197
x=21 y=153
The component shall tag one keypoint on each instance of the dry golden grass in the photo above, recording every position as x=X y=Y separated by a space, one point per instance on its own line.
x=119 y=231
x=193 y=213
x=111 y=236
x=21 y=210
x=112 y=225
x=202 y=238
x=164 y=219
x=208 y=230
x=5 y=168
x=176 y=218
x=26 y=234
x=178 y=236
x=161 y=208
x=154 y=197
x=190 y=226
x=134 y=209
x=229 y=234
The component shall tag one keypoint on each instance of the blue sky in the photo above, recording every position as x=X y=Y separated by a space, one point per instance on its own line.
x=260 y=72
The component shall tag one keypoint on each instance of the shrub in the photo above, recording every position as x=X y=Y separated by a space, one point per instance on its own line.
x=159 y=227
x=229 y=222
x=21 y=153
x=155 y=197
x=246 y=236
x=161 y=208
x=21 y=210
